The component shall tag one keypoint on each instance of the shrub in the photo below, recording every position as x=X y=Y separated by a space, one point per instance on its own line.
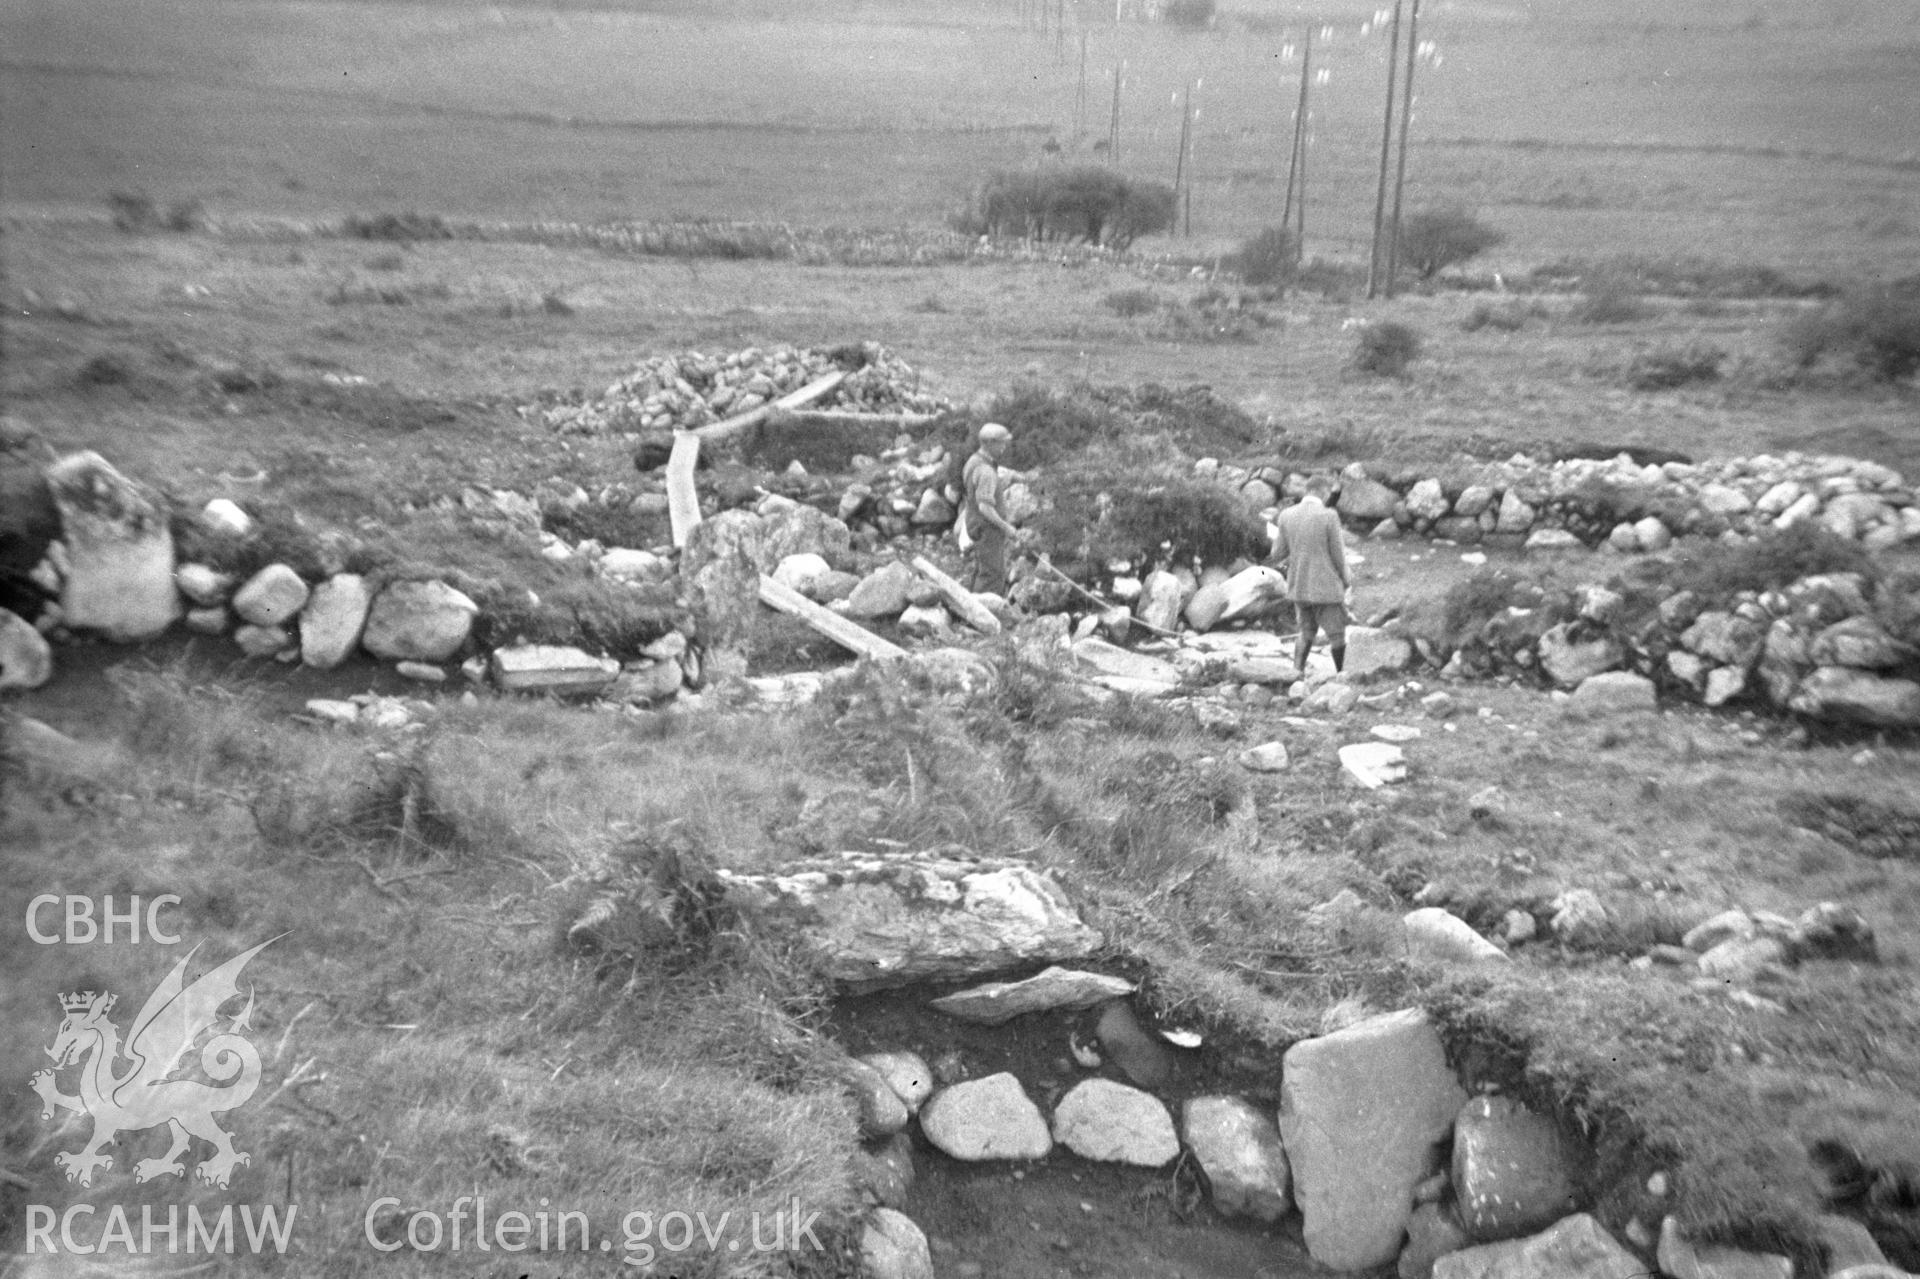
x=1130 y=302
x=1088 y=203
x=1666 y=367
x=1612 y=297
x=1775 y=559
x=402 y=227
x=1386 y=348
x=1434 y=239
x=1505 y=318
x=1270 y=257
x=185 y=215
x=1193 y=14
x=1116 y=511
x=1877 y=329
x=133 y=211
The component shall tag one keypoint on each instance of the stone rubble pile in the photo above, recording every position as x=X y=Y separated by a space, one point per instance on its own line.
x=1618 y=503
x=694 y=389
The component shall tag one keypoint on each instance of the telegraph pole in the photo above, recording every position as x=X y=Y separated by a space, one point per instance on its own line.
x=1374 y=262
x=1297 y=161
x=1113 y=127
x=1406 y=119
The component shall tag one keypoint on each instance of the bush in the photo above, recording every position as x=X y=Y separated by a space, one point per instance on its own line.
x=1130 y=302
x=1775 y=559
x=1610 y=298
x=1505 y=318
x=1666 y=367
x=1877 y=329
x=1434 y=239
x=1386 y=348
x=1087 y=203
x=1194 y=14
x=1162 y=515
x=1271 y=257
x=402 y=227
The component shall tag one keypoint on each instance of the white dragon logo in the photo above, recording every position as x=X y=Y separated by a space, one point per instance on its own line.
x=143 y=1096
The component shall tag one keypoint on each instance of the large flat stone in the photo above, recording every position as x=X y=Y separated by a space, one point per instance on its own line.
x=1101 y=658
x=878 y=919
x=117 y=578
x=1054 y=988
x=550 y=668
x=1576 y=1247
x=1239 y=1150
x=991 y=1118
x=1360 y=1113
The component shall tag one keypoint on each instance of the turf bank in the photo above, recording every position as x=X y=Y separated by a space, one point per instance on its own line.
x=263 y=1228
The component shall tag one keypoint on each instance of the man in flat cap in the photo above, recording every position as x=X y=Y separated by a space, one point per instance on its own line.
x=980 y=513
x=1307 y=547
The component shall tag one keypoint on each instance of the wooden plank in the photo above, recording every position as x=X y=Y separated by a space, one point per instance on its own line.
x=873 y=421
x=814 y=390
x=849 y=635
x=683 y=499
x=959 y=598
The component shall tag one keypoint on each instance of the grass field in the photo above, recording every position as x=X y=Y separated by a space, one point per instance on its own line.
x=1778 y=135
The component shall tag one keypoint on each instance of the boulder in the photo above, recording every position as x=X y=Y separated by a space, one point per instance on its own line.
x=334 y=619
x=1679 y=610
x=1511 y=1172
x=893 y=1247
x=118 y=550
x=1739 y=960
x=1360 y=1113
x=883 y=1172
x=1568 y=659
x=1515 y=514
x=883 y=592
x=1239 y=1150
x=1433 y=1231
x=1690 y=669
x=1161 y=597
x=1680 y=1259
x=1576 y=1247
x=1723 y=500
x=1832 y=931
x=225 y=516
x=1624 y=538
x=957 y=672
x=209 y=621
x=1371 y=650
x=271 y=597
x=263 y=641
x=1726 y=638
x=1108 y=661
x=1463 y=529
x=1473 y=499
x=1262 y=670
x=1140 y=1054
x=927 y=621
x=1845 y=695
x=1051 y=989
x=625 y=564
x=1365 y=500
x=880 y=919
x=1615 y=691
x=1779 y=497
x=1858 y=641
x=418 y=621
x=1205 y=606
x=1724 y=683
x=26 y=660
x=1848 y=1243
x=882 y=1112
x=1652 y=534
x=550 y=668
x=991 y=1118
x=1579 y=918
x=1107 y=1122
x=1250 y=589
x=802 y=572
x=644 y=683
x=203 y=586
x=1435 y=936
x=932 y=510
x=1728 y=925
x=1268 y=757
x=1335 y=697
x=1427 y=500
x=1551 y=539
x=1825 y=598
x=1372 y=765
x=907 y=1074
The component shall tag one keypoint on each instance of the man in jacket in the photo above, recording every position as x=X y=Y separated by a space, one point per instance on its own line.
x=1308 y=549
x=989 y=528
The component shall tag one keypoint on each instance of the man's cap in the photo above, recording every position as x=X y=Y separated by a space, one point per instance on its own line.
x=994 y=431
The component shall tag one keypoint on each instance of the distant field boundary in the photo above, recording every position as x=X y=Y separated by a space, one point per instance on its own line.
x=1904 y=164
